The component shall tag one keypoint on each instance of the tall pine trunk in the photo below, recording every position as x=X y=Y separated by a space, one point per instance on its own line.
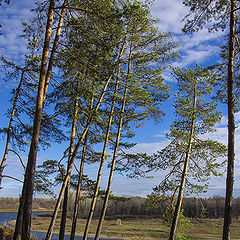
x=96 y=190
x=77 y=198
x=231 y=129
x=184 y=174
x=80 y=177
x=54 y=48
x=10 y=126
x=71 y=148
x=105 y=203
x=27 y=191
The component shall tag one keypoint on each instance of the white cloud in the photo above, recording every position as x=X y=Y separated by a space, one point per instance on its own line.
x=12 y=45
x=198 y=47
x=149 y=148
x=217 y=184
x=170 y=14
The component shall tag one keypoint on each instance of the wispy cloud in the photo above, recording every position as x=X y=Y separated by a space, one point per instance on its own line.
x=199 y=47
x=217 y=184
x=170 y=14
x=12 y=45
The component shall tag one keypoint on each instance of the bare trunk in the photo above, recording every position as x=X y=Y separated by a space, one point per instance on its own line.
x=27 y=191
x=184 y=176
x=54 y=48
x=18 y=226
x=71 y=148
x=10 y=126
x=105 y=203
x=77 y=198
x=231 y=130
x=94 y=199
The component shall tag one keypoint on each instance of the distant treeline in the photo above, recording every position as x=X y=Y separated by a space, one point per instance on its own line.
x=212 y=207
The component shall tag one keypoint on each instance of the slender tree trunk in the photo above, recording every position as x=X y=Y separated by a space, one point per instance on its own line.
x=10 y=126
x=19 y=221
x=231 y=130
x=71 y=148
x=54 y=48
x=77 y=198
x=94 y=199
x=184 y=176
x=51 y=225
x=65 y=182
x=27 y=191
x=104 y=208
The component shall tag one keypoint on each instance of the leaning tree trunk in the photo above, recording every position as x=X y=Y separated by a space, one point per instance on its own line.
x=231 y=129
x=71 y=148
x=10 y=126
x=77 y=198
x=54 y=48
x=96 y=190
x=64 y=184
x=184 y=175
x=19 y=221
x=105 y=203
x=27 y=191
x=80 y=177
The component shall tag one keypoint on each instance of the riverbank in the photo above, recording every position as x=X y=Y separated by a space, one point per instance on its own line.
x=16 y=210
x=6 y=233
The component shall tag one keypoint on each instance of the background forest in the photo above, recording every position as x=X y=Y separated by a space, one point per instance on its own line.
x=93 y=74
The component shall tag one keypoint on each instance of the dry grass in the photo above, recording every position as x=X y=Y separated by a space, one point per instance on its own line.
x=145 y=229
x=7 y=233
x=212 y=229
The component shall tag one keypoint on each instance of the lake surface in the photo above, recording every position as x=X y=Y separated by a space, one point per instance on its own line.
x=10 y=216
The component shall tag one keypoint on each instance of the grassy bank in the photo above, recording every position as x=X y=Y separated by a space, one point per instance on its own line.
x=34 y=210
x=146 y=229
x=7 y=234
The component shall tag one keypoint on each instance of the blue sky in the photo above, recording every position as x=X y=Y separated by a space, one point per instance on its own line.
x=201 y=47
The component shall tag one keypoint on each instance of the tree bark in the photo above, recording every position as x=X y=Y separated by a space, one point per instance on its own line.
x=27 y=191
x=10 y=126
x=231 y=129
x=71 y=148
x=77 y=198
x=94 y=199
x=104 y=207
x=54 y=48
x=184 y=175
x=19 y=221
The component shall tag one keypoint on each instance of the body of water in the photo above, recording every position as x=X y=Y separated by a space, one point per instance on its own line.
x=6 y=217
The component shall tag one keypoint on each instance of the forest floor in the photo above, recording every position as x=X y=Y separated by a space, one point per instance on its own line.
x=146 y=229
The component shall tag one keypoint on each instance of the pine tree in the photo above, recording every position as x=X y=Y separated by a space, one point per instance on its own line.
x=222 y=15
x=142 y=89
x=188 y=155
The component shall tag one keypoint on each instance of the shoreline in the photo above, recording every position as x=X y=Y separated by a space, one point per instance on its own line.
x=16 y=210
x=12 y=224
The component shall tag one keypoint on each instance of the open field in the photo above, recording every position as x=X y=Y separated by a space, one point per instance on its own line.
x=147 y=229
